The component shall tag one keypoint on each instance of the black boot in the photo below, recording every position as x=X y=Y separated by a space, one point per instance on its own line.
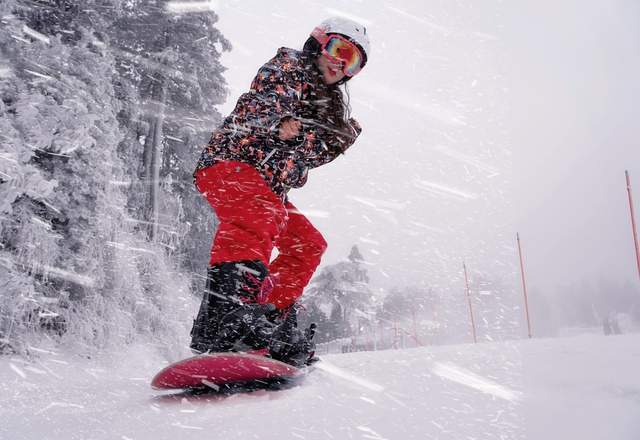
x=291 y=345
x=230 y=315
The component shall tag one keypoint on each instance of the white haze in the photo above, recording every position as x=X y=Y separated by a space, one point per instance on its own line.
x=429 y=154
x=480 y=121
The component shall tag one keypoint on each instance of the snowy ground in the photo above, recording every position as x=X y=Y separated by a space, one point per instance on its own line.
x=574 y=388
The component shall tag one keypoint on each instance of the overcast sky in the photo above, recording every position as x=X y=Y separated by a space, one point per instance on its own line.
x=480 y=119
x=574 y=70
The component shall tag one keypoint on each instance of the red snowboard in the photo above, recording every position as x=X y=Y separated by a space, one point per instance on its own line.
x=220 y=370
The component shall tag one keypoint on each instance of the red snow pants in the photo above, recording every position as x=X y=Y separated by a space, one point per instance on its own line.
x=254 y=220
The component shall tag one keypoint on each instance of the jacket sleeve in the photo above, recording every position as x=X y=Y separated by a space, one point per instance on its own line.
x=329 y=143
x=275 y=95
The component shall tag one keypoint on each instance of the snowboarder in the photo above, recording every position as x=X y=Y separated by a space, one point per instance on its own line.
x=294 y=118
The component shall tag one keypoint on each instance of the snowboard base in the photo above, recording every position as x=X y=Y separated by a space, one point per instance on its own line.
x=227 y=372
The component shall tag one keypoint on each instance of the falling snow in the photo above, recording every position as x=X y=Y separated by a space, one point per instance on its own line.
x=475 y=127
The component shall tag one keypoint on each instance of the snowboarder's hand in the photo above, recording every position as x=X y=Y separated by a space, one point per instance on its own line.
x=289 y=129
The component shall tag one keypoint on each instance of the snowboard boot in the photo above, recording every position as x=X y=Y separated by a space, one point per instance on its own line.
x=231 y=315
x=291 y=345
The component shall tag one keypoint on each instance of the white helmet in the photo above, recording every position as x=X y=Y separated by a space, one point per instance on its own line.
x=349 y=28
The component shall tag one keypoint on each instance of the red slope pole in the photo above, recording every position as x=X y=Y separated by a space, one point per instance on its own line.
x=473 y=324
x=524 y=287
x=633 y=221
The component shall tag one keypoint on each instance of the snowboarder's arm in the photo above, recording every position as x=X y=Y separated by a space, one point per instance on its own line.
x=274 y=97
x=330 y=143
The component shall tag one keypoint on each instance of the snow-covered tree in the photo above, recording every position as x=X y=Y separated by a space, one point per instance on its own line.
x=171 y=59
x=60 y=132
x=341 y=291
x=73 y=126
x=412 y=309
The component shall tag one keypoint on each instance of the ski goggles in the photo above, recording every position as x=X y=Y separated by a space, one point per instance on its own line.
x=341 y=49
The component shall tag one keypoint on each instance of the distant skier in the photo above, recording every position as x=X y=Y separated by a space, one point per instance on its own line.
x=293 y=119
x=606 y=326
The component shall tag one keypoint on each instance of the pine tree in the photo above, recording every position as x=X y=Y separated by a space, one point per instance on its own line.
x=342 y=292
x=355 y=256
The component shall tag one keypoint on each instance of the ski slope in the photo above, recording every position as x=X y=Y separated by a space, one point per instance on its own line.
x=584 y=387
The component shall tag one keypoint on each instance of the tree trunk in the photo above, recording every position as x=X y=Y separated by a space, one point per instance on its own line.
x=152 y=156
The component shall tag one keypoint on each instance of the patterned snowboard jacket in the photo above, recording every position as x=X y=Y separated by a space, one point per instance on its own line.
x=287 y=86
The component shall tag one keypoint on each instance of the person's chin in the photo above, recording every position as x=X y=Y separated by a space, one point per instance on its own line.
x=331 y=79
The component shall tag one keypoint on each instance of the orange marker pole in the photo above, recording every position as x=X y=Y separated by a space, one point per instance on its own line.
x=473 y=323
x=633 y=222
x=524 y=287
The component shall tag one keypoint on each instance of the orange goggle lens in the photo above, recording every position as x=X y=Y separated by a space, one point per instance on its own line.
x=346 y=52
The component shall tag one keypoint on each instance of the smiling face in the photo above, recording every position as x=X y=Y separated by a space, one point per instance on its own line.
x=331 y=72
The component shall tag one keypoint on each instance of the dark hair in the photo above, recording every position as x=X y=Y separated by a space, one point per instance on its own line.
x=338 y=107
